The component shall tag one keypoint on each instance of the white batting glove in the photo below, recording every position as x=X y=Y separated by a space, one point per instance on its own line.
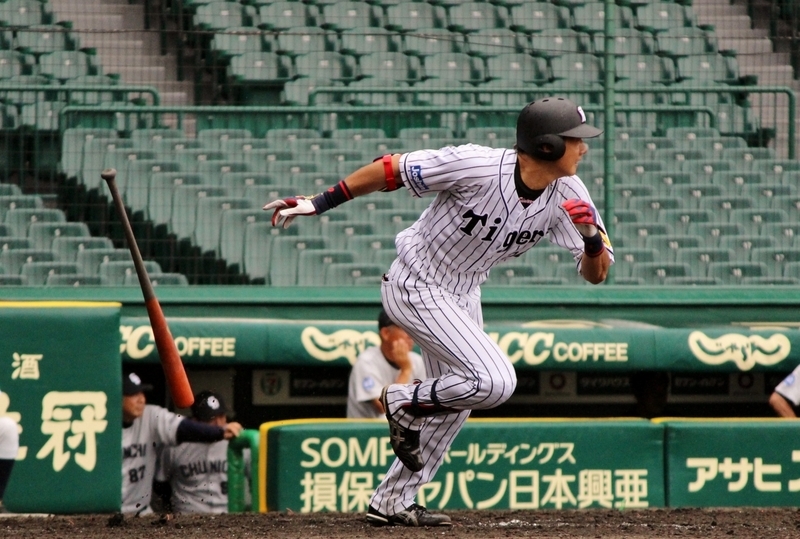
x=288 y=208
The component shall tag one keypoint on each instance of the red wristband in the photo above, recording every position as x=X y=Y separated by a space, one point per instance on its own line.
x=388 y=169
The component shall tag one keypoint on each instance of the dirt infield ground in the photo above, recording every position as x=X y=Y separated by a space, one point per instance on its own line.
x=654 y=523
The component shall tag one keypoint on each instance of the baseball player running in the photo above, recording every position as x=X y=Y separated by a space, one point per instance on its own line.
x=147 y=428
x=197 y=474
x=490 y=205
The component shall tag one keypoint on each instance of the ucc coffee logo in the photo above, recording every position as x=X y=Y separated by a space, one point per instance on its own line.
x=743 y=350
x=345 y=343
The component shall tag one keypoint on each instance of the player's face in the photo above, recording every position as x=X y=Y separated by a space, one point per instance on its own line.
x=576 y=149
x=133 y=406
x=394 y=333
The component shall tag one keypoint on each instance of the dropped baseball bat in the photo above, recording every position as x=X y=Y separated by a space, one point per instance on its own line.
x=171 y=362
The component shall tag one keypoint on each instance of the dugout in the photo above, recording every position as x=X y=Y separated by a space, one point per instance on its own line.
x=578 y=351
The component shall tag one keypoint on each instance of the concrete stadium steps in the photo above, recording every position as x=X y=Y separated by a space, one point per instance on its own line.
x=115 y=29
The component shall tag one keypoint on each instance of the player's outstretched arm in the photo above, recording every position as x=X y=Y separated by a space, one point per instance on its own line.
x=378 y=175
x=781 y=406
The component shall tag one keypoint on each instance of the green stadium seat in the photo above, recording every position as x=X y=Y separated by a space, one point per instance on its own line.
x=12 y=64
x=306 y=146
x=66 y=249
x=504 y=93
x=215 y=138
x=348 y=15
x=259 y=159
x=626 y=192
x=699 y=258
x=313 y=182
x=387 y=222
x=234 y=223
x=165 y=148
x=723 y=206
x=491 y=42
x=655 y=273
x=454 y=66
x=258 y=238
x=12 y=280
x=546 y=258
x=212 y=208
x=775 y=259
x=517 y=67
x=386 y=66
x=362 y=95
x=17 y=13
x=42 y=235
x=579 y=70
x=73 y=141
x=331 y=66
x=190 y=159
x=215 y=169
x=114 y=272
x=338 y=232
x=495 y=137
x=692 y=281
x=786 y=171
x=737 y=181
x=532 y=17
x=331 y=160
x=432 y=41
x=558 y=41
x=714 y=147
x=369 y=249
x=185 y=200
x=630 y=170
x=415 y=17
x=42 y=39
x=290 y=168
x=236 y=182
x=20 y=219
x=312 y=264
x=73 y=280
x=220 y=16
x=732 y=273
x=303 y=40
x=281 y=135
x=89 y=260
x=8 y=242
x=356 y=274
x=41 y=116
x=137 y=174
x=284 y=16
x=36 y=273
x=641 y=70
x=258 y=67
x=162 y=190
x=694 y=196
x=647 y=146
x=627 y=257
x=743 y=245
x=285 y=254
x=766 y=195
x=416 y=136
x=769 y=281
x=568 y=272
x=706 y=69
x=681 y=43
x=713 y=233
x=668 y=246
x=502 y=274
x=626 y=41
x=430 y=93
x=13 y=259
x=664 y=181
x=63 y=65
x=783 y=234
x=235 y=41
x=235 y=148
x=361 y=41
x=703 y=170
x=753 y=219
x=471 y=17
x=791 y=270
x=158 y=279
x=628 y=216
x=651 y=205
x=662 y=17
x=19 y=201
x=634 y=235
x=147 y=139
x=261 y=194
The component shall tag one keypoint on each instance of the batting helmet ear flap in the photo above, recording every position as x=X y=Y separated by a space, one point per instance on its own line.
x=557 y=147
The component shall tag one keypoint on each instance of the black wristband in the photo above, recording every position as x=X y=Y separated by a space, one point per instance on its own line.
x=593 y=246
x=331 y=197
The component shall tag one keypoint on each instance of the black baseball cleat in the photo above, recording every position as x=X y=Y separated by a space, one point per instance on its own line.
x=414 y=516
x=405 y=442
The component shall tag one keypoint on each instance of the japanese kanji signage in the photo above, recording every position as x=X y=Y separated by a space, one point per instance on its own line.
x=497 y=464
x=733 y=463
x=60 y=380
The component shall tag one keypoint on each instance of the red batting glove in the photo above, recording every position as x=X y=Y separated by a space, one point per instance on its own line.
x=583 y=216
x=288 y=208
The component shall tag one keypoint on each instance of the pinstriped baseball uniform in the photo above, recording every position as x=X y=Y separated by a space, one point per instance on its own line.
x=433 y=290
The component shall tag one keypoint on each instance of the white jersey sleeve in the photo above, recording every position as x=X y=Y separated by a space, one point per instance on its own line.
x=156 y=427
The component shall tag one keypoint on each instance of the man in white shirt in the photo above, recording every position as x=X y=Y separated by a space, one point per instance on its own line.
x=392 y=362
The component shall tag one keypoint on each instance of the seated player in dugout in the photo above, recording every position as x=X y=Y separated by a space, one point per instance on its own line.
x=488 y=205
x=146 y=429
x=193 y=477
x=393 y=362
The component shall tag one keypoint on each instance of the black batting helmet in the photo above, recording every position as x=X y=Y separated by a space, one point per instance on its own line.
x=545 y=121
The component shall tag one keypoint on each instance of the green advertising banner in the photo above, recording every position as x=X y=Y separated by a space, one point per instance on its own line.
x=60 y=378
x=334 y=465
x=231 y=341
x=732 y=463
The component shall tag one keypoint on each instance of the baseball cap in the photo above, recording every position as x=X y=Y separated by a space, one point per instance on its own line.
x=132 y=385
x=384 y=320
x=208 y=405
x=553 y=116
